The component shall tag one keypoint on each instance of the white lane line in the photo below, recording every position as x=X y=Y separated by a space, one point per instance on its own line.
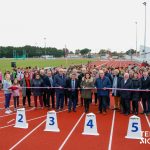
x=31 y=132
x=146 y=116
x=10 y=121
x=27 y=121
x=62 y=145
x=26 y=136
x=112 y=129
x=15 y=113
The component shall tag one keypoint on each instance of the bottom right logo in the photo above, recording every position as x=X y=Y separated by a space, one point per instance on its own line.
x=146 y=137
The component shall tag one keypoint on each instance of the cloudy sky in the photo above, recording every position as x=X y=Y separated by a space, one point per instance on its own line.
x=93 y=24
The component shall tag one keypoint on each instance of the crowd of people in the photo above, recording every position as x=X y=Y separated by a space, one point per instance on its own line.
x=81 y=86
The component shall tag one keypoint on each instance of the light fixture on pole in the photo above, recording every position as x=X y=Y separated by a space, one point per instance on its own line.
x=145 y=32
x=136 y=38
x=45 y=44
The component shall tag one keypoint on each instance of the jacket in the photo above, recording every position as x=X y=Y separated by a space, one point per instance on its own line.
x=86 y=93
x=102 y=83
x=37 y=83
x=136 y=85
x=69 y=86
x=59 y=81
x=127 y=85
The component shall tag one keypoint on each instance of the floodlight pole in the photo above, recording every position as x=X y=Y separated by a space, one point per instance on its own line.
x=45 y=44
x=145 y=32
x=136 y=38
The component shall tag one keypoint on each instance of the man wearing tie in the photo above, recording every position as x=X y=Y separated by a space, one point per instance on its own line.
x=72 y=85
x=126 y=83
x=51 y=93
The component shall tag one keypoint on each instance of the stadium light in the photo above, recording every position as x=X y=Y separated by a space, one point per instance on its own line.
x=136 y=38
x=145 y=32
x=45 y=44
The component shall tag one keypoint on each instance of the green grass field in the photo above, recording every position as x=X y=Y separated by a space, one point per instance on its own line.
x=5 y=64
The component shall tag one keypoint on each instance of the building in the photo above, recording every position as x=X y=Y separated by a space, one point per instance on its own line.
x=144 y=55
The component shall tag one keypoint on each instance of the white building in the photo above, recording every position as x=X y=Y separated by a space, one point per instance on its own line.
x=144 y=55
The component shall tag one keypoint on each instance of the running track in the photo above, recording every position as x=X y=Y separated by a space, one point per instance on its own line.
x=111 y=127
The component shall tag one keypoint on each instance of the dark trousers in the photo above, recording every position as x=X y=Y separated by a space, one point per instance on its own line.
x=125 y=105
x=66 y=97
x=40 y=99
x=45 y=93
x=95 y=95
x=135 y=107
x=86 y=104
x=77 y=98
x=16 y=101
x=72 y=101
x=51 y=96
x=102 y=103
x=108 y=100
x=146 y=104
x=7 y=100
x=28 y=95
x=82 y=101
x=59 y=100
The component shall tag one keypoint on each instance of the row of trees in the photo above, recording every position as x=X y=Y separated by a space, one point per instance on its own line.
x=32 y=51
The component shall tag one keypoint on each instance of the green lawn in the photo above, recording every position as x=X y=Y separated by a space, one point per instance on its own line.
x=5 y=64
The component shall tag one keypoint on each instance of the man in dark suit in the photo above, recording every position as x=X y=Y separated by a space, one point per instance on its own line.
x=60 y=84
x=145 y=84
x=126 y=83
x=72 y=85
x=83 y=71
x=46 y=84
x=51 y=91
x=107 y=74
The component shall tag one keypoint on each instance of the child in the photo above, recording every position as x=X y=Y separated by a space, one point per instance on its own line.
x=7 y=84
x=15 y=93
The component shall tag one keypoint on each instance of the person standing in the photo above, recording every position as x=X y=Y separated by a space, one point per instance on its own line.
x=86 y=90
x=72 y=85
x=115 y=93
x=6 y=85
x=101 y=83
x=126 y=83
x=135 y=94
x=25 y=83
x=60 y=84
x=51 y=90
x=15 y=94
x=37 y=89
x=46 y=84
x=95 y=76
x=81 y=75
x=107 y=74
x=145 y=85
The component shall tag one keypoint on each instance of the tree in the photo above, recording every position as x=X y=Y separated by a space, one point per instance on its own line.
x=77 y=52
x=31 y=51
x=102 y=52
x=85 y=51
x=71 y=52
x=130 y=52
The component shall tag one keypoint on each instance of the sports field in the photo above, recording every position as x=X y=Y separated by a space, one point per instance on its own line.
x=112 y=128
x=5 y=64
